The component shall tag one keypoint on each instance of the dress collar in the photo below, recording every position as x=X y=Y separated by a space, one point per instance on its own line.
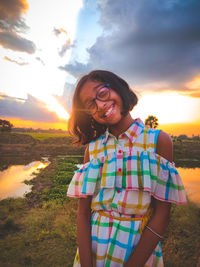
x=132 y=132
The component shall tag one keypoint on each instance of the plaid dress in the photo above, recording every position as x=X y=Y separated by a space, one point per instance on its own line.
x=122 y=176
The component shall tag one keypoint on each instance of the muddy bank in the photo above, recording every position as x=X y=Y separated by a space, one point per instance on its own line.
x=21 y=148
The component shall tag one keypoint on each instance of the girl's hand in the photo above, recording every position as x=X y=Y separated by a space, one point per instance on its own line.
x=149 y=240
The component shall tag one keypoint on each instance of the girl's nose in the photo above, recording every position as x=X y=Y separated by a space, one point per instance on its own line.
x=100 y=104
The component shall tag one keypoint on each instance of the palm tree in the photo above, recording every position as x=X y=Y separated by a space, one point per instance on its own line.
x=151 y=121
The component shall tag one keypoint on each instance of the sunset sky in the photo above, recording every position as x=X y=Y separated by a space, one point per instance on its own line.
x=46 y=45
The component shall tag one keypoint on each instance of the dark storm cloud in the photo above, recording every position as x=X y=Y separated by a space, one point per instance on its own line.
x=11 y=24
x=76 y=69
x=146 y=41
x=13 y=41
x=12 y=9
x=25 y=109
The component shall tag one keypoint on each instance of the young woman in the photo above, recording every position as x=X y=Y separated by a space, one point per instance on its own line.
x=128 y=181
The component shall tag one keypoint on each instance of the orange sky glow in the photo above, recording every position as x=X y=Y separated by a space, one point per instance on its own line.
x=176 y=129
x=36 y=124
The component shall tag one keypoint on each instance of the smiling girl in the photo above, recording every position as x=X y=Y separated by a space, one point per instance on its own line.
x=128 y=181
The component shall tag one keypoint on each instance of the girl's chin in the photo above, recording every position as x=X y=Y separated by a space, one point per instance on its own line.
x=113 y=122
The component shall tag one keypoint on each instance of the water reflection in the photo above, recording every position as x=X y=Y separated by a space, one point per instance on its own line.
x=11 y=179
x=191 y=181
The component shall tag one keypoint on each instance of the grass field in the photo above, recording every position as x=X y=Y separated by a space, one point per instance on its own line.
x=43 y=136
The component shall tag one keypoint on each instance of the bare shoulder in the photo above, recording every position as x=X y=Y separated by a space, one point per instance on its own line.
x=86 y=155
x=165 y=146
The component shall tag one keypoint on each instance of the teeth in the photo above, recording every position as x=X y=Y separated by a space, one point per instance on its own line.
x=107 y=113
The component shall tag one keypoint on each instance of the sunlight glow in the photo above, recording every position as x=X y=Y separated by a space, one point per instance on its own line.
x=53 y=105
x=42 y=165
x=190 y=178
x=168 y=107
x=33 y=73
x=194 y=83
x=17 y=122
x=11 y=179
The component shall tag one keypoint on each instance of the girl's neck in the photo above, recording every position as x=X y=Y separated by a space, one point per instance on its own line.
x=121 y=126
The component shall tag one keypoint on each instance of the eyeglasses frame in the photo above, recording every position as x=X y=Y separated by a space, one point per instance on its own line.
x=96 y=98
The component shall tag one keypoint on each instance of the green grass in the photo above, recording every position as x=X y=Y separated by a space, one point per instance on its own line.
x=181 y=246
x=43 y=136
x=41 y=236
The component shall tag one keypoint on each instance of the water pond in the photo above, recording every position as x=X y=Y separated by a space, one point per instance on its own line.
x=12 y=179
x=191 y=181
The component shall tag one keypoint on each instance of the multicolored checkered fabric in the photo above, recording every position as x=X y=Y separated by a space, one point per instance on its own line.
x=121 y=176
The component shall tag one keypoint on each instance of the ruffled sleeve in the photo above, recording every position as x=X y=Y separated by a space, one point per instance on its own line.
x=166 y=183
x=84 y=180
x=145 y=171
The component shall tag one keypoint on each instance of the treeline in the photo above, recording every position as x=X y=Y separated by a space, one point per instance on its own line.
x=185 y=137
x=39 y=130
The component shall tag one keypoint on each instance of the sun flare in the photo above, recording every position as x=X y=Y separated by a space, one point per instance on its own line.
x=53 y=105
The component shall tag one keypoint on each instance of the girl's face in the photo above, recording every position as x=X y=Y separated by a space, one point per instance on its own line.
x=108 y=111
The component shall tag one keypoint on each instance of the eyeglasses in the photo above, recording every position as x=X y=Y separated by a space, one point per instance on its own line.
x=102 y=94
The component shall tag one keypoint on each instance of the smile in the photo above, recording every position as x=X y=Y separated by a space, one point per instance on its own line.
x=109 y=111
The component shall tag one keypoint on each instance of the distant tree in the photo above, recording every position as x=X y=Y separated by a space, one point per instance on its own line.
x=183 y=136
x=151 y=121
x=5 y=126
x=196 y=137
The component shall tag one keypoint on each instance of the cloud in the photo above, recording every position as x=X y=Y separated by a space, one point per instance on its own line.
x=67 y=44
x=144 y=41
x=12 y=9
x=65 y=47
x=192 y=87
x=76 y=69
x=12 y=24
x=59 y=31
x=25 y=109
x=13 y=41
x=66 y=99
x=40 y=60
x=14 y=61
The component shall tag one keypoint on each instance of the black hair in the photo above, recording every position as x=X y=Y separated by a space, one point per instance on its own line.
x=81 y=124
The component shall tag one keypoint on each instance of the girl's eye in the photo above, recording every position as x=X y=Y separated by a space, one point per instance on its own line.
x=103 y=93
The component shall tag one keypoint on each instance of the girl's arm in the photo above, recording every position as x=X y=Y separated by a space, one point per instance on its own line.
x=160 y=217
x=83 y=227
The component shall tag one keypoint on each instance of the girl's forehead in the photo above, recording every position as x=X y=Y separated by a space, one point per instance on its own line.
x=89 y=88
